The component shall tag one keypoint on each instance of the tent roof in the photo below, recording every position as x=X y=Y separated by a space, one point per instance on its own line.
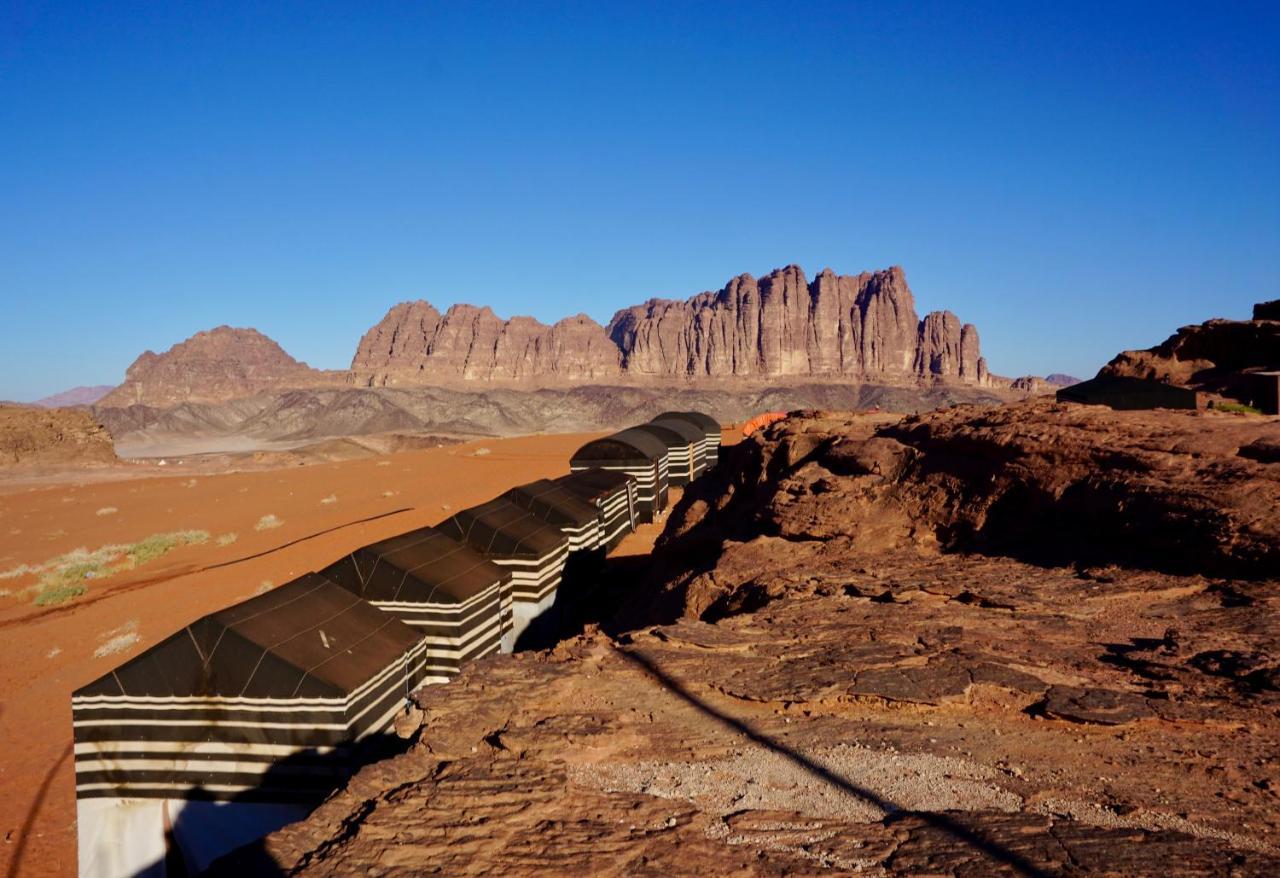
x=307 y=638
x=698 y=419
x=595 y=484
x=504 y=529
x=633 y=444
x=421 y=566
x=553 y=503
x=667 y=436
x=689 y=432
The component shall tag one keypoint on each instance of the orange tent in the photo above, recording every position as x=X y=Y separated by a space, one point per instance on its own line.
x=759 y=422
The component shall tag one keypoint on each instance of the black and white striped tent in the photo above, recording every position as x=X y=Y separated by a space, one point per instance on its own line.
x=533 y=550
x=638 y=454
x=709 y=426
x=614 y=496
x=692 y=455
x=578 y=519
x=237 y=724
x=459 y=602
x=680 y=452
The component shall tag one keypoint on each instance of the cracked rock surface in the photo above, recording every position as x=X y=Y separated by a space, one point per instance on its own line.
x=842 y=661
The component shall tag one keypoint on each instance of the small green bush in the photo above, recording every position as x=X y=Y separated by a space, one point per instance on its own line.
x=58 y=594
x=1238 y=408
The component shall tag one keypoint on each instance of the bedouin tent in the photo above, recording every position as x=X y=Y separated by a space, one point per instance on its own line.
x=1121 y=392
x=695 y=445
x=457 y=601
x=638 y=454
x=578 y=519
x=709 y=426
x=510 y=536
x=680 y=452
x=236 y=725
x=614 y=496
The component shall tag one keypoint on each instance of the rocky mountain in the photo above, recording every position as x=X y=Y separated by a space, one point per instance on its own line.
x=850 y=327
x=75 y=396
x=221 y=364
x=1058 y=379
x=1036 y=640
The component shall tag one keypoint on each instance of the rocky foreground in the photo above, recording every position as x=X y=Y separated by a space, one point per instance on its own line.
x=1035 y=639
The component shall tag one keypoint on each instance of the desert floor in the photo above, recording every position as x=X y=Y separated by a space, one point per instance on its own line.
x=322 y=510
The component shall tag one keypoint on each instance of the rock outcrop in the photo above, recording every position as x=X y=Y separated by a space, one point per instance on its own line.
x=33 y=437
x=221 y=364
x=963 y=644
x=861 y=327
x=1212 y=356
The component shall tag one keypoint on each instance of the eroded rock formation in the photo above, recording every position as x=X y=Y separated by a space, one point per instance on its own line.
x=31 y=436
x=861 y=327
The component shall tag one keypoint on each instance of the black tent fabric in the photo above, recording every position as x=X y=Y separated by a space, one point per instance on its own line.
x=710 y=428
x=1120 y=392
x=237 y=724
x=680 y=452
x=307 y=665
x=578 y=519
x=695 y=447
x=533 y=550
x=613 y=494
x=637 y=453
x=457 y=601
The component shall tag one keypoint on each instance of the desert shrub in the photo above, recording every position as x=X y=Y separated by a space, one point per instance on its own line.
x=58 y=594
x=1237 y=408
x=267 y=522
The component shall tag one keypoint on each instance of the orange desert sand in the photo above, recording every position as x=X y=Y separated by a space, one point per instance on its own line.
x=320 y=511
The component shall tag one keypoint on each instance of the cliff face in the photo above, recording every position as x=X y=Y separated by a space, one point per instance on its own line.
x=414 y=342
x=31 y=436
x=220 y=364
x=849 y=326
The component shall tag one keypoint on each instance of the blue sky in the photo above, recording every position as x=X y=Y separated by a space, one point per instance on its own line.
x=1074 y=179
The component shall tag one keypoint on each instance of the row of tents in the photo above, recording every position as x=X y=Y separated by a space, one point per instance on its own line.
x=247 y=718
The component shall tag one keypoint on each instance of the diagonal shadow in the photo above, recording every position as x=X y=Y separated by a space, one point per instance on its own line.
x=24 y=834
x=939 y=821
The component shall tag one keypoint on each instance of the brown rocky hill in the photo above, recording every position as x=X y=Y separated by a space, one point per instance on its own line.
x=861 y=327
x=221 y=364
x=1209 y=356
x=33 y=437
x=1034 y=640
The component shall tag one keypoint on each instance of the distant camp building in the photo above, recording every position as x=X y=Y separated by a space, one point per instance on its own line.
x=1121 y=392
x=680 y=452
x=637 y=453
x=578 y=519
x=709 y=426
x=236 y=725
x=533 y=550
x=613 y=494
x=459 y=602
x=692 y=454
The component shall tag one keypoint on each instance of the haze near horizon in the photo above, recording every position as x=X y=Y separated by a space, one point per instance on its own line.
x=1072 y=181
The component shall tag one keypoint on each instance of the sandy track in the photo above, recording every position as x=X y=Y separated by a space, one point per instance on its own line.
x=46 y=653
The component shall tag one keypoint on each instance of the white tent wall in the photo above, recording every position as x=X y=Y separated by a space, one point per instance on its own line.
x=121 y=838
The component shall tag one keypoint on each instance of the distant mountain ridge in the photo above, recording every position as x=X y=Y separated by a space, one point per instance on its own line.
x=75 y=396
x=781 y=329
x=854 y=327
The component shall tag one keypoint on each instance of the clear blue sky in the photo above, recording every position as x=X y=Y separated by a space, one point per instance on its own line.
x=1073 y=179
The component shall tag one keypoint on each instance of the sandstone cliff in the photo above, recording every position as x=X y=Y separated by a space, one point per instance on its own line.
x=852 y=327
x=414 y=343
x=220 y=364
